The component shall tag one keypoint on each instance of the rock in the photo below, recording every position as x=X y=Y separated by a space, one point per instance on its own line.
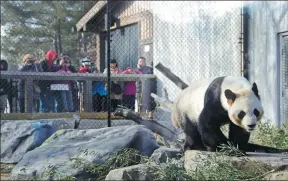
x=162 y=114
x=102 y=123
x=163 y=154
x=272 y=159
x=282 y=175
x=193 y=158
x=19 y=137
x=135 y=172
x=56 y=153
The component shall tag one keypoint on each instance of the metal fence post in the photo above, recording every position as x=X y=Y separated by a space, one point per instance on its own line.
x=14 y=96
x=107 y=25
x=138 y=96
x=88 y=96
x=29 y=95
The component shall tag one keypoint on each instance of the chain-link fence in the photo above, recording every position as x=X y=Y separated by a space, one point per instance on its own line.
x=284 y=77
x=52 y=69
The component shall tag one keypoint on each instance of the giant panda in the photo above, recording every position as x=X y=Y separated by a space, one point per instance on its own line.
x=206 y=105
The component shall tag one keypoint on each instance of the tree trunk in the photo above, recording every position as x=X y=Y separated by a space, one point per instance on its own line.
x=59 y=37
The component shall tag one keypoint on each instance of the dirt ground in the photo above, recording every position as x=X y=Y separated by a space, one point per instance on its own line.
x=5 y=171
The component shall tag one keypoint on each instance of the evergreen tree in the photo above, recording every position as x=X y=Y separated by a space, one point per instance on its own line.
x=37 y=26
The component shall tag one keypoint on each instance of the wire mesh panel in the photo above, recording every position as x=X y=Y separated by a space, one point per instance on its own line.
x=200 y=39
x=284 y=79
x=194 y=39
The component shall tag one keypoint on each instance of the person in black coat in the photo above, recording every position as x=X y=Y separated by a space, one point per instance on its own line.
x=4 y=87
x=146 y=87
x=29 y=66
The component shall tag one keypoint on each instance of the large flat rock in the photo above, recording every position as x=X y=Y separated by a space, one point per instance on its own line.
x=55 y=153
x=103 y=123
x=282 y=175
x=193 y=158
x=19 y=137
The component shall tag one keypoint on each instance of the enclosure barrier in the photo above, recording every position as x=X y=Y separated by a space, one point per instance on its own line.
x=87 y=79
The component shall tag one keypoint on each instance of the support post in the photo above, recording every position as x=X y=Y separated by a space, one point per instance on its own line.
x=88 y=96
x=29 y=95
x=107 y=25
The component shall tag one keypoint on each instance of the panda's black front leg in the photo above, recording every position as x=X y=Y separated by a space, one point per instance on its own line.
x=193 y=139
x=209 y=129
x=240 y=137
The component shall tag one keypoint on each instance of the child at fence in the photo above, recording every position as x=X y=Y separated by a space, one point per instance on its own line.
x=97 y=92
x=98 y=89
x=129 y=89
x=66 y=86
x=29 y=66
x=116 y=87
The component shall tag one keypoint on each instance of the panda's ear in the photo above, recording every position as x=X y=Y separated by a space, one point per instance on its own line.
x=231 y=96
x=255 y=89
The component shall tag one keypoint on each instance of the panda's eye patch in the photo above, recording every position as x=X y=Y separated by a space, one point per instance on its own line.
x=256 y=112
x=241 y=114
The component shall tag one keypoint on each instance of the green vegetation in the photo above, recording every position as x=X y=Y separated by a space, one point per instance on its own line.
x=211 y=167
x=270 y=135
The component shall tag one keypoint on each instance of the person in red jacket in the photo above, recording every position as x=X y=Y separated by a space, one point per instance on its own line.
x=47 y=97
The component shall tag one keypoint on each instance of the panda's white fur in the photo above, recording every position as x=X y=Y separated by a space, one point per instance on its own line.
x=190 y=101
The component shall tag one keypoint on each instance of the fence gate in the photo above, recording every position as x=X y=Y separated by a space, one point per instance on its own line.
x=284 y=79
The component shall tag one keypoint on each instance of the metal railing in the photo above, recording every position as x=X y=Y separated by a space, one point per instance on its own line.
x=87 y=79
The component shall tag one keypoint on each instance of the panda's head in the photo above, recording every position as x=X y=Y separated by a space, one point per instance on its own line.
x=245 y=107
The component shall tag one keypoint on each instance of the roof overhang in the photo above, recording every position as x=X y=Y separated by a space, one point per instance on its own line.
x=81 y=24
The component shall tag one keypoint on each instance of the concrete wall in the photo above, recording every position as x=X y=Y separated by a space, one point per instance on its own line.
x=196 y=39
x=265 y=21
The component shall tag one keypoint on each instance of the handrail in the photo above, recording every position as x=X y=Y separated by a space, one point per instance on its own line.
x=74 y=76
x=87 y=78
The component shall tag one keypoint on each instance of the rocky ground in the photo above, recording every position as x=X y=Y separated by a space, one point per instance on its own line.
x=38 y=150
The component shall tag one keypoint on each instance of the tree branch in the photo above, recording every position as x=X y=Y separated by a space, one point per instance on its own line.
x=151 y=124
x=171 y=76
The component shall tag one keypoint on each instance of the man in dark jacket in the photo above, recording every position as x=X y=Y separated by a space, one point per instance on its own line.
x=46 y=96
x=29 y=66
x=146 y=87
x=4 y=87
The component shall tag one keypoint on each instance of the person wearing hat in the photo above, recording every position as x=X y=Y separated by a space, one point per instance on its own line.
x=47 y=96
x=29 y=65
x=86 y=66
